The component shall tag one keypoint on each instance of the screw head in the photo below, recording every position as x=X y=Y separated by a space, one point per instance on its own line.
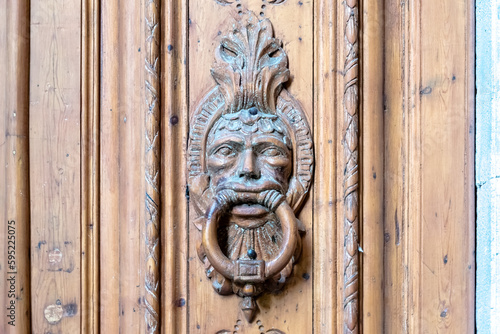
x=252 y=254
x=253 y=111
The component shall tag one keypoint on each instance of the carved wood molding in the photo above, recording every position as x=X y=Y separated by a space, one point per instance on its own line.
x=350 y=143
x=90 y=129
x=152 y=168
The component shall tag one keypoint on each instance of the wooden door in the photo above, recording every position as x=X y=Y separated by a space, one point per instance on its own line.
x=110 y=110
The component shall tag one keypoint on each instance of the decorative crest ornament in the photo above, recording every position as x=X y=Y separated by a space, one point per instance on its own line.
x=228 y=2
x=250 y=162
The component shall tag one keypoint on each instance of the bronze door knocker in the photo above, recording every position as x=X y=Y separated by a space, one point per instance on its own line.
x=250 y=161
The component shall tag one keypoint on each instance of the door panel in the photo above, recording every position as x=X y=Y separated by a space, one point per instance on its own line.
x=292 y=23
x=429 y=193
x=100 y=106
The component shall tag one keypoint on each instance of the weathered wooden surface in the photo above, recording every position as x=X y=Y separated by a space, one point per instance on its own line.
x=429 y=183
x=372 y=167
x=14 y=159
x=350 y=167
x=327 y=189
x=122 y=186
x=90 y=227
x=54 y=147
x=76 y=183
x=152 y=159
x=174 y=191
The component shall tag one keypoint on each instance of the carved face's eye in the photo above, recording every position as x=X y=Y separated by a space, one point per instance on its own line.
x=225 y=151
x=271 y=151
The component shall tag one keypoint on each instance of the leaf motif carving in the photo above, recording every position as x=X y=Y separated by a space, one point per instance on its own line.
x=250 y=65
x=224 y=2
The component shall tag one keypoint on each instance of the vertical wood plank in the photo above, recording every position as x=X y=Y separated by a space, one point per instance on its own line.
x=14 y=161
x=54 y=140
x=109 y=165
x=327 y=250
x=447 y=229
x=395 y=164
x=90 y=166
x=121 y=167
x=413 y=134
x=429 y=188
x=131 y=164
x=372 y=164
x=175 y=116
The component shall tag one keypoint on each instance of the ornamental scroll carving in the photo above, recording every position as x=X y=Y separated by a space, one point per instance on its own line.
x=152 y=167
x=250 y=164
x=351 y=167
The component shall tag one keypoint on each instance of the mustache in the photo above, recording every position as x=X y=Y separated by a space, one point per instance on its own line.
x=250 y=186
x=269 y=198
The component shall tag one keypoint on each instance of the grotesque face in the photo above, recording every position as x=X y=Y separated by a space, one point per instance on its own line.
x=249 y=152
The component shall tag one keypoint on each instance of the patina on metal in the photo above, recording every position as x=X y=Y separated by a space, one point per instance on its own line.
x=250 y=161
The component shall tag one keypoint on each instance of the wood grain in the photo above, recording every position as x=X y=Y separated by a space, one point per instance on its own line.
x=350 y=167
x=429 y=187
x=90 y=167
x=395 y=289
x=14 y=159
x=372 y=167
x=74 y=148
x=175 y=193
x=109 y=280
x=122 y=214
x=152 y=159
x=446 y=243
x=55 y=148
x=328 y=249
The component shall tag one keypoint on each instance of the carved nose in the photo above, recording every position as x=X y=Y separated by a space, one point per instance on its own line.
x=248 y=167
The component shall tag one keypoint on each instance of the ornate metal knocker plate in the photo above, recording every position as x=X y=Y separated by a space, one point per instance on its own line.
x=250 y=161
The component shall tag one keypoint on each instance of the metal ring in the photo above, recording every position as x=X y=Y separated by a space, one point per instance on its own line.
x=225 y=266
